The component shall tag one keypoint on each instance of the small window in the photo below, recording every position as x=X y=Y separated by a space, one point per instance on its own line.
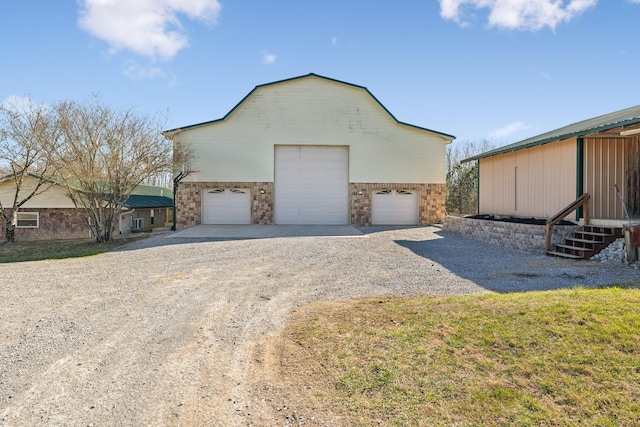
x=136 y=223
x=384 y=192
x=237 y=191
x=216 y=191
x=404 y=192
x=28 y=220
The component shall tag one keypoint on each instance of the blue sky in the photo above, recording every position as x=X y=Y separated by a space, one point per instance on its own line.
x=503 y=70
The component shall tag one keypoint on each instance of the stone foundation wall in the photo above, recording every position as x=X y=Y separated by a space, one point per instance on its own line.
x=189 y=201
x=525 y=237
x=53 y=224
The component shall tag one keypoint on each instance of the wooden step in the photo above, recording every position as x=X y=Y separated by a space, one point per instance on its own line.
x=563 y=255
x=614 y=231
x=573 y=239
x=586 y=242
x=575 y=250
x=595 y=237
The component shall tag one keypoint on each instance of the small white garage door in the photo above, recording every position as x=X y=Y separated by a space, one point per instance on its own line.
x=311 y=185
x=394 y=208
x=226 y=206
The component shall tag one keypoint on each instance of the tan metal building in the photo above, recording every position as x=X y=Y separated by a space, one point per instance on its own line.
x=539 y=176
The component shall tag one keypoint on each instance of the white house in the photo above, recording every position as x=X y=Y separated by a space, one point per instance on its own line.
x=311 y=150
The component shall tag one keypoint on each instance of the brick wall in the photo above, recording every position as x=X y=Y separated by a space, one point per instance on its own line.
x=53 y=224
x=430 y=203
x=189 y=201
x=526 y=237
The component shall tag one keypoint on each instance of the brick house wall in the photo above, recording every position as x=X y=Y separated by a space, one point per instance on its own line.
x=53 y=224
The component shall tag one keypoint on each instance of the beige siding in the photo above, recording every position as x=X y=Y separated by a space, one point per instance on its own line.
x=314 y=111
x=607 y=163
x=54 y=197
x=533 y=182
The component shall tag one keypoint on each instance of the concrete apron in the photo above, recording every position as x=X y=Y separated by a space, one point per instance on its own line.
x=266 y=231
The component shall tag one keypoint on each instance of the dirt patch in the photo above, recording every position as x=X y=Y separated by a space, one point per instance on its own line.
x=286 y=377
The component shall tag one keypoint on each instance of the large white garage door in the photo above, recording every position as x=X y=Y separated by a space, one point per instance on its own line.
x=394 y=208
x=311 y=185
x=226 y=206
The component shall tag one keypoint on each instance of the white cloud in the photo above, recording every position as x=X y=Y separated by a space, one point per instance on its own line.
x=268 y=57
x=518 y=14
x=509 y=130
x=150 y=28
x=21 y=104
x=334 y=41
x=137 y=72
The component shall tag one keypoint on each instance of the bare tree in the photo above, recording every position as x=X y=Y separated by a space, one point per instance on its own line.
x=104 y=155
x=462 y=178
x=28 y=133
x=461 y=150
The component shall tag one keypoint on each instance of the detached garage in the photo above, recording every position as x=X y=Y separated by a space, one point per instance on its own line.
x=311 y=150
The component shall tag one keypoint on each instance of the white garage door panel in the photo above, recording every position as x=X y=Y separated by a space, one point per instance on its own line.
x=226 y=206
x=311 y=185
x=394 y=208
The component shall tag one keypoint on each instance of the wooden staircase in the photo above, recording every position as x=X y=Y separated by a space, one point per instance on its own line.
x=586 y=242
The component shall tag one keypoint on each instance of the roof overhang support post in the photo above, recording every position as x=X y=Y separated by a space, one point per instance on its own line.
x=579 y=174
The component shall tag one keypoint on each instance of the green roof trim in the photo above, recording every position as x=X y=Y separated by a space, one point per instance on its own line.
x=172 y=131
x=625 y=117
x=138 y=201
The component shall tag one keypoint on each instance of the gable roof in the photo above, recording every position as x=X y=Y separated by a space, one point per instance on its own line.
x=170 y=132
x=616 y=119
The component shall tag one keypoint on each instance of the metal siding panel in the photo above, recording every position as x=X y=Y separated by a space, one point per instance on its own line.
x=546 y=180
x=485 y=183
x=605 y=167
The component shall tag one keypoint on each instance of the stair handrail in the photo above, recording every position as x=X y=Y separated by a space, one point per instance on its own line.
x=580 y=201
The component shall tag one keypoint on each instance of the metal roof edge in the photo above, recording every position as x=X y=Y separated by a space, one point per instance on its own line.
x=536 y=140
x=176 y=130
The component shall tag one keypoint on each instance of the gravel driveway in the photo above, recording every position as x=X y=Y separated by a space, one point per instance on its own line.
x=163 y=332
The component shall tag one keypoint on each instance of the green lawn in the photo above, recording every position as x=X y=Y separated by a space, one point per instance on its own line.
x=57 y=249
x=568 y=358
